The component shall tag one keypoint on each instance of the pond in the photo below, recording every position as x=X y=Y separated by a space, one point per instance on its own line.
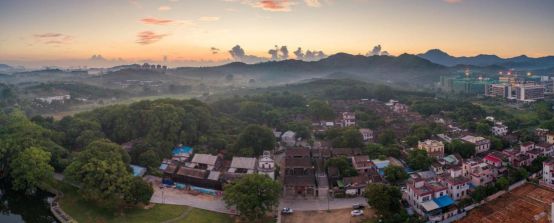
x=16 y=207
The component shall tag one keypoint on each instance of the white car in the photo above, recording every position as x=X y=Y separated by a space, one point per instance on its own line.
x=287 y=211
x=357 y=212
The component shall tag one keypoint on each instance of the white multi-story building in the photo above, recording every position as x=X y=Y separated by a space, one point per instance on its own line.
x=457 y=184
x=367 y=134
x=430 y=199
x=348 y=119
x=499 y=129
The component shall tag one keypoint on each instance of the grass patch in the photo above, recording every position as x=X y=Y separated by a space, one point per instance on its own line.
x=203 y=216
x=84 y=212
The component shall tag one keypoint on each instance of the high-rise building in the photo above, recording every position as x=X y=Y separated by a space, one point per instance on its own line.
x=529 y=92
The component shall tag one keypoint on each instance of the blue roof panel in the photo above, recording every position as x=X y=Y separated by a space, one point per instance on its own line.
x=444 y=201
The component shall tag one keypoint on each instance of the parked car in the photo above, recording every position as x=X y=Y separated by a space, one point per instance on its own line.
x=357 y=212
x=358 y=206
x=287 y=211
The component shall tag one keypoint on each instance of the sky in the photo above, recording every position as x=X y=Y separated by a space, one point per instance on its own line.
x=68 y=32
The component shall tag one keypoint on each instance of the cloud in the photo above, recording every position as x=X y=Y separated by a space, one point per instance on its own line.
x=238 y=54
x=53 y=38
x=284 y=52
x=148 y=37
x=453 y=1
x=312 y=3
x=135 y=3
x=314 y=55
x=274 y=53
x=156 y=21
x=299 y=54
x=164 y=8
x=275 y=5
x=214 y=50
x=208 y=18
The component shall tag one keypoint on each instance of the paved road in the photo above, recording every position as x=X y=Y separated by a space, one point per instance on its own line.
x=320 y=204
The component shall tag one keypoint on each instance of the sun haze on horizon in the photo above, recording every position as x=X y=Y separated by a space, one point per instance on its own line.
x=204 y=32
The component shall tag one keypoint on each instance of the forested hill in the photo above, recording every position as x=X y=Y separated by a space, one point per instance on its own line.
x=407 y=69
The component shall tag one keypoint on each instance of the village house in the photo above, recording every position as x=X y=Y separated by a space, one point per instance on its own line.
x=205 y=162
x=299 y=178
x=481 y=144
x=430 y=199
x=547 y=148
x=367 y=134
x=550 y=138
x=458 y=185
x=243 y=165
x=434 y=148
x=446 y=163
x=266 y=165
x=479 y=172
x=289 y=138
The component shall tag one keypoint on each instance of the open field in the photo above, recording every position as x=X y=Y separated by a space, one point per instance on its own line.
x=83 y=212
x=333 y=216
x=88 y=107
x=528 y=203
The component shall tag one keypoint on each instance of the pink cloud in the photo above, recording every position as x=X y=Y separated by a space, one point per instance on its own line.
x=453 y=1
x=53 y=38
x=275 y=5
x=148 y=37
x=164 y=8
x=156 y=21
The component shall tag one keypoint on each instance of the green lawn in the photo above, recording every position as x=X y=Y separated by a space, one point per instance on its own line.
x=85 y=212
x=203 y=216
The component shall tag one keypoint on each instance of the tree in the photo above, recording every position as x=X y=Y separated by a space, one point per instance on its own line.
x=395 y=174
x=343 y=164
x=374 y=150
x=384 y=198
x=255 y=138
x=466 y=150
x=502 y=183
x=102 y=173
x=418 y=159
x=149 y=159
x=320 y=110
x=352 y=138
x=30 y=169
x=386 y=137
x=483 y=128
x=140 y=191
x=253 y=195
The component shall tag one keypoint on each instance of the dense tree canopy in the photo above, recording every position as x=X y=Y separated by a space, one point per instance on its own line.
x=345 y=137
x=102 y=173
x=252 y=195
x=385 y=199
x=465 y=149
x=320 y=110
x=30 y=169
x=253 y=140
x=418 y=159
x=343 y=164
x=395 y=174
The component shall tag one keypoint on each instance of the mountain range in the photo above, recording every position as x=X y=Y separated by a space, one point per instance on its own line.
x=522 y=62
x=405 y=68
